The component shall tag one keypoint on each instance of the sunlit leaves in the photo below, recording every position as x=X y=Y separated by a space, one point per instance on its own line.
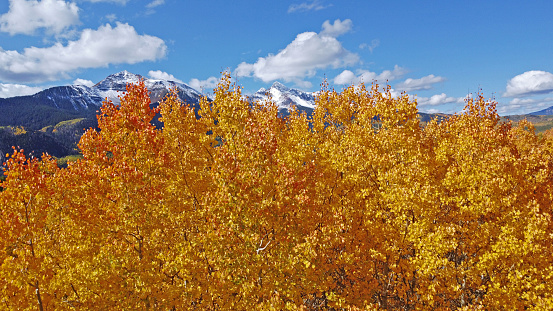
x=357 y=207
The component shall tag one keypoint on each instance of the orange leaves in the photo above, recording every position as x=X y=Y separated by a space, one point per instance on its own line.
x=356 y=207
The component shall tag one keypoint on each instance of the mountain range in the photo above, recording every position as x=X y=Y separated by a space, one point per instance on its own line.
x=286 y=98
x=62 y=103
x=52 y=120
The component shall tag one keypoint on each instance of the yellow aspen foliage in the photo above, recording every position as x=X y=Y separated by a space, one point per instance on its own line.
x=357 y=207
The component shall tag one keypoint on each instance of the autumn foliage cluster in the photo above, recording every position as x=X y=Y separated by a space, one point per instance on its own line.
x=358 y=207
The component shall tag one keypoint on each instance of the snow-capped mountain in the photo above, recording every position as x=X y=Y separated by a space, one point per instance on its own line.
x=76 y=97
x=82 y=97
x=115 y=85
x=68 y=102
x=286 y=98
x=117 y=81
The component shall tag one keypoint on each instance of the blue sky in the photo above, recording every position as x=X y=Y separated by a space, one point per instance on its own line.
x=436 y=51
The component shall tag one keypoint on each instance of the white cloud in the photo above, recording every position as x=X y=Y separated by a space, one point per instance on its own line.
x=336 y=29
x=424 y=83
x=390 y=75
x=530 y=83
x=438 y=99
x=95 y=48
x=315 y=5
x=348 y=77
x=209 y=83
x=300 y=59
x=523 y=101
x=374 y=44
x=524 y=105
x=161 y=75
x=155 y=3
x=11 y=90
x=26 y=16
x=83 y=82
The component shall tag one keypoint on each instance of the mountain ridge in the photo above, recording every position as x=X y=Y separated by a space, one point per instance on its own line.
x=74 y=107
x=79 y=97
x=59 y=103
x=53 y=119
x=286 y=98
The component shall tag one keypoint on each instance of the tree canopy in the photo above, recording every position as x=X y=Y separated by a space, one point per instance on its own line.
x=358 y=207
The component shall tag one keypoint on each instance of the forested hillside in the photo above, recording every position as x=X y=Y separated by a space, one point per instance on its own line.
x=58 y=140
x=35 y=115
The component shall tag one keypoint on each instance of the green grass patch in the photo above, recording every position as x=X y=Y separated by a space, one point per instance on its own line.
x=67 y=123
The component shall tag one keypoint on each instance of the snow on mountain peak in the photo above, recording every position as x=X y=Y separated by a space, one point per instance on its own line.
x=279 y=86
x=118 y=81
x=112 y=87
x=286 y=97
x=125 y=75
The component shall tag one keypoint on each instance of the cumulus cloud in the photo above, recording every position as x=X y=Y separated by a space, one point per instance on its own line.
x=346 y=77
x=83 y=82
x=300 y=59
x=95 y=48
x=530 y=83
x=336 y=29
x=438 y=99
x=209 y=83
x=365 y=76
x=25 y=17
x=424 y=83
x=11 y=90
x=161 y=75
x=314 y=5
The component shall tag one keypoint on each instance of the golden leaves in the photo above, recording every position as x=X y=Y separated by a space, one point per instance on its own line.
x=358 y=207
